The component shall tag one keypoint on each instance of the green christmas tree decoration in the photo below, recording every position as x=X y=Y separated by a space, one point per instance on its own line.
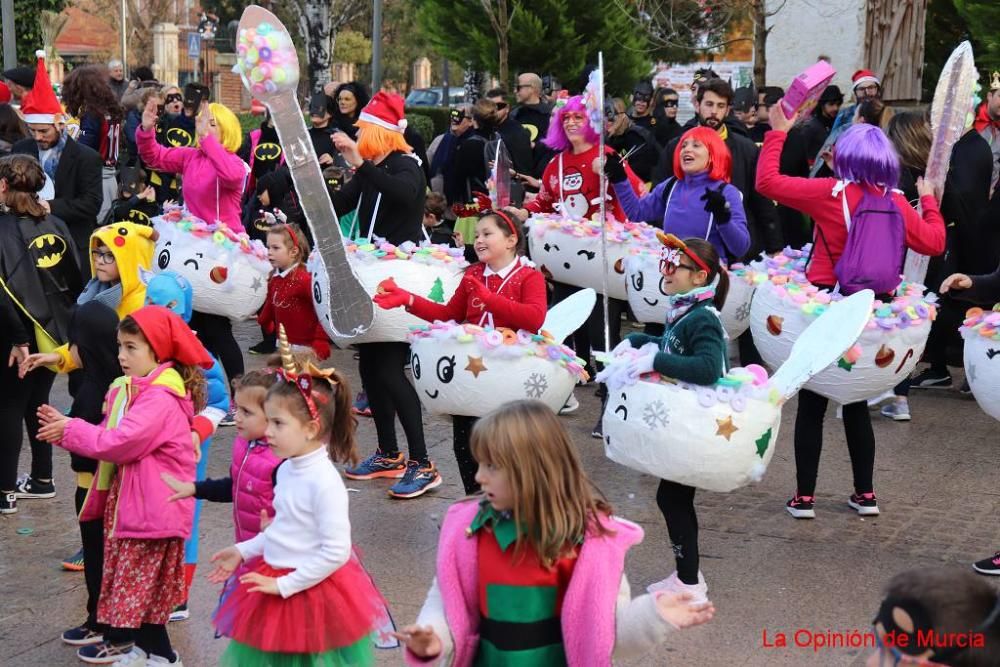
x=437 y=291
x=762 y=443
x=845 y=364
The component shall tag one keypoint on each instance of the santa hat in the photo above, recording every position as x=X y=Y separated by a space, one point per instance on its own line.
x=5 y=95
x=41 y=104
x=170 y=338
x=864 y=76
x=385 y=110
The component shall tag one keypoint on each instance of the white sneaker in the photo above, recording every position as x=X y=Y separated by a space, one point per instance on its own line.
x=673 y=584
x=134 y=658
x=159 y=660
x=572 y=405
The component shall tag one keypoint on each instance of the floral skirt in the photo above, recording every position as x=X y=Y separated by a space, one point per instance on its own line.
x=143 y=580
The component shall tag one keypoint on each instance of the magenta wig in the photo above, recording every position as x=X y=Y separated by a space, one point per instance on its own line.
x=863 y=154
x=556 y=138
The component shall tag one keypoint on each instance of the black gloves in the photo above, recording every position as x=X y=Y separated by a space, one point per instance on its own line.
x=717 y=204
x=614 y=168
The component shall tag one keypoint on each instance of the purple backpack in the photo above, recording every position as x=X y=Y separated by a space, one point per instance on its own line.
x=876 y=245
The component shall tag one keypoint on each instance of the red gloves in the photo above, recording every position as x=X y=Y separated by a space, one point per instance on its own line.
x=389 y=295
x=480 y=295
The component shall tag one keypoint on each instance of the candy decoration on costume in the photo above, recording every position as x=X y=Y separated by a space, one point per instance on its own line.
x=464 y=369
x=570 y=250
x=269 y=67
x=718 y=437
x=428 y=269
x=786 y=303
x=227 y=271
x=981 y=331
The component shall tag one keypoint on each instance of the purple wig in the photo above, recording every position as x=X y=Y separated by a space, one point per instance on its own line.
x=556 y=138
x=863 y=154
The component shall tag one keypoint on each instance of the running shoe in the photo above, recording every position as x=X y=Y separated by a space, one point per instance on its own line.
x=417 y=480
x=897 y=411
x=801 y=507
x=932 y=379
x=104 y=653
x=82 y=636
x=988 y=565
x=75 y=562
x=571 y=405
x=180 y=613
x=864 y=504
x=673 y=584
x=378 y=465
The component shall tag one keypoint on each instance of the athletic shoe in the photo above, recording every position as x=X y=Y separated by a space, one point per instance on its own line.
x=378 y=465
x=263 y=347
x=965 y=389
x=571 y=405
x=180 y=613
x=8 y=503
x=230 y=418
x=75 y=562
x=417 y=480
x=598 y=430
x=105 y=653
x=673 y=584
x=931 y=379
x=160 y=660
x=988 y=565
x=897 y=411
x=361 y=406
x=801 y=507
x=28 y=487
x=864 y=504
x=82 y=636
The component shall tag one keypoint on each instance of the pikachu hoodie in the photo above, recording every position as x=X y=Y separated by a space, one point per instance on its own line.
x=132 y=245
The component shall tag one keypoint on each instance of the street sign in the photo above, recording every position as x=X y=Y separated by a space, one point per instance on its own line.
x=194 y=45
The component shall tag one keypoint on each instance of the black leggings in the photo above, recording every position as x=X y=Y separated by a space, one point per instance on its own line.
x=19 y=402
x=809 y=442
x=92 y=537
x=944 y=333
x=676 y=502
x=462 y=432
x=151 y=638
x=216 y=333
x=390 y=394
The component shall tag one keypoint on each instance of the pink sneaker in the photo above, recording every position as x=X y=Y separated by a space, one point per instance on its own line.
x=673 y=584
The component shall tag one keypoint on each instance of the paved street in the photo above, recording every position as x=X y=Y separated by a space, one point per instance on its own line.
x=936 y=478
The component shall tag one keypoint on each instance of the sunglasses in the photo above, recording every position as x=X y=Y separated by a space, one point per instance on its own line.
x=501 y=106
x=668 y=268
x=457 y=117
x=669 y=102
x=174 y=97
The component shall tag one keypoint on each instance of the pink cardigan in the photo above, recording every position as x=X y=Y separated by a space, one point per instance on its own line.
x=206 y=170
x=599 y=617
x=153 y=436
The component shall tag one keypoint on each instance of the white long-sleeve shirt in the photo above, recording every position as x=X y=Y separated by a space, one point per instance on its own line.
x=311 y=531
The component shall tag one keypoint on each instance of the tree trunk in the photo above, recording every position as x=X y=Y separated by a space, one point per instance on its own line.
x=758 y=11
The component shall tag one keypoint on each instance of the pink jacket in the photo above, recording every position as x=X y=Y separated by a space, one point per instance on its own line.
x=253 y=489
x=591 y=608
x=213 y=177
x=153 y=436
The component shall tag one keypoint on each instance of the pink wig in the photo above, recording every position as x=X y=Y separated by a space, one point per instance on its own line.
x=556 y=138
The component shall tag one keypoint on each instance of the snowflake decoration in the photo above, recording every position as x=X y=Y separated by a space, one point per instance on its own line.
x=535 y=385
x=656 y=414
x=743 y=311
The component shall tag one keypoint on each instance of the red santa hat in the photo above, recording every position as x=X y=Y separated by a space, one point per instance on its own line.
x=40 y=105
x=864 y=76
x=385 y=110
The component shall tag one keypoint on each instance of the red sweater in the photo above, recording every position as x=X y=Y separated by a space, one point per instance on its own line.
x=519 y=301
x=289 y=302
x=815 y=198
x=580 y=186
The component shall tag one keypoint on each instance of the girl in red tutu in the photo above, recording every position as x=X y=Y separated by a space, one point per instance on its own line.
x=308 y=601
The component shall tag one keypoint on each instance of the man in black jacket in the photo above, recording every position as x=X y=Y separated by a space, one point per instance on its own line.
x=515 y=137
x=713 y=99
x=74 y=171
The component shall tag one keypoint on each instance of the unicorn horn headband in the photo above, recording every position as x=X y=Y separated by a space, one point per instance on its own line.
x=303 y=378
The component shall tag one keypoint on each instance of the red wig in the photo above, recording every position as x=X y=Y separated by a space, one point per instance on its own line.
x=720 y=160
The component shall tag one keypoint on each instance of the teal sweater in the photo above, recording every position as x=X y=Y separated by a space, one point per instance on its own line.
x=692 y=349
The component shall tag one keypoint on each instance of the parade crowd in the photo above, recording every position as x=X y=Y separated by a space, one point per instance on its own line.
x=530 y=567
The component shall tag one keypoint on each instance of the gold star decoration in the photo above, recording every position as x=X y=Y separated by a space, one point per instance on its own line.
x=726 y=427
x=476 y=366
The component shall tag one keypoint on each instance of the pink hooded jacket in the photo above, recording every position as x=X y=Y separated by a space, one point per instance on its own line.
x=213 y=177
x=151 y=437
x=253 y=488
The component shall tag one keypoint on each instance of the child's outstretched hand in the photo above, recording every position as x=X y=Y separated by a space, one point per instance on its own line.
x=260 y=584
x=422 y=642
x=677 y=610
x=226 y=562
x=53 y=424
x=180 y=489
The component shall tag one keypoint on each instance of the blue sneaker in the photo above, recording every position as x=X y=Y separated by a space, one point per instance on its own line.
x=417 y=481
x=378 y=465
x=361 y=406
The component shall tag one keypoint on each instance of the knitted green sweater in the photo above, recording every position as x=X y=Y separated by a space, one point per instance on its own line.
x=692 y=349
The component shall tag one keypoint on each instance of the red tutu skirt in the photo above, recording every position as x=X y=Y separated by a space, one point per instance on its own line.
x=335 y=613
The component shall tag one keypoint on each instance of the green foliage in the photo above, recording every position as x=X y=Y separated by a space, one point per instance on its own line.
x=440 y=118
x=945 y=29
x=28 y=27
x=559 y=37
x=982 y=17
x=422 y=124
x=352 y=47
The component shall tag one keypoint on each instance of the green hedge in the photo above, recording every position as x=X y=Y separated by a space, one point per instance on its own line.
x=439 y=116
x=423 y=125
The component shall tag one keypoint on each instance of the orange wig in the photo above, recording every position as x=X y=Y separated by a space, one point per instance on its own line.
x=720 y=160
x=375 y=140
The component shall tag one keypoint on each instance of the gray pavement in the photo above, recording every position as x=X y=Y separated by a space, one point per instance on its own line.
x=936 y=479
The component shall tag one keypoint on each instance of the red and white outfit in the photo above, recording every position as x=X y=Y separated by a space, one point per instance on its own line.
x=570 y=186
x=289 y=303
